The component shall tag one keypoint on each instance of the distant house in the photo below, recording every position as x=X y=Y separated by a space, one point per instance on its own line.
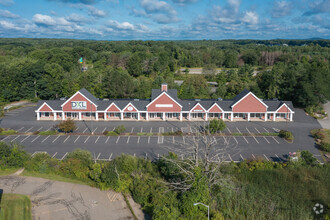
x=165 y=105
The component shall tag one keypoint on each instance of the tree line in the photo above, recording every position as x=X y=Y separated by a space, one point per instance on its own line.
x=49 y=68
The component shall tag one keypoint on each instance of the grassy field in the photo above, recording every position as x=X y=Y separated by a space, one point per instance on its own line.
x=14 y=206
x=6 y=172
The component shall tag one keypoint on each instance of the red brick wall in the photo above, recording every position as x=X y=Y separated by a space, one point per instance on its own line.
x=214 y=109
x=198 y=108
x=113 y=108
x=164 y=99
x=45 y=108
x=249 y=104
x=284 y=109
x=126 y=109
x=78 y=97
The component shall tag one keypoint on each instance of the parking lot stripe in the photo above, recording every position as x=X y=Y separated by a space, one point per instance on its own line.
x=241 y=156
x=172 y=129
x=48 y=128
x=266 y=157
x=117 y=139
x=275 y=140
x=85 y=130
x=45 y=139
x=64 y=155
x=184 y=141
x=141 y=129
x=55 y=139
x=28 y=129
x=235 y=139
x=98 y=156
x=97 y=139
x=230 y=157
x=20 y=129
x=225 y=140
x=173 y=139
x=245 y=139
x=15 y=138
x=266 y=139
x=252 y=136
x=238 y=130
x=76 y=139
x=77 y=128
x=95 y=129
x=278 y=157
x=107 y=140
x=39 y=128
x=257 y=130
x=253 y=156
x=54 y=155
x=132 y=130
x=138 y=141
x=35 y=139
x=215 y=140
x=66 y=139
x=104 y=129
x=148 y=139
x=25 y=138
x=5 y=138
x=266 y=130
x=190 y=129
x=151 y=130
x=128 y=139
x=110 y=156
x=86 y=139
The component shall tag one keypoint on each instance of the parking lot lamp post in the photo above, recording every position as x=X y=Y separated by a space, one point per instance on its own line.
x=208 y=209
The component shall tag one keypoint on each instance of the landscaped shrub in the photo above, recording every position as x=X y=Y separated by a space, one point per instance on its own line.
x=308 y=158
x=105 y=132
x=111 y=133
x=216 y=125
x=12 y=155
x=325 y=146
x=8 y=132
x=67 y=126
x=84 y=156
x=120 y=129
x=74 y=168
x=286 y=135
x=1 y=130
x=42 y=163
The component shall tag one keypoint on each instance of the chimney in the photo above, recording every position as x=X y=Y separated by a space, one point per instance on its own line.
x=164 y=87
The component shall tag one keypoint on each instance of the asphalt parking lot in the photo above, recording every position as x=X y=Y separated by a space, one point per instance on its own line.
x=105 y=147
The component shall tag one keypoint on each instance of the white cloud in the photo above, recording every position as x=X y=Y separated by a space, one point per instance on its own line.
x=6 y=2
x=96 y=12
x=281 y=9
x=43 y=20
x=126 y=26
x=250 y=17
x=7 y=14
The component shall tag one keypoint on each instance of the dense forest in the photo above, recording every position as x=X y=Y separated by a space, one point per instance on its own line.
x=296 y=70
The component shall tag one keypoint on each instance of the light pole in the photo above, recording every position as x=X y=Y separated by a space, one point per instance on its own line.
x=208 y=209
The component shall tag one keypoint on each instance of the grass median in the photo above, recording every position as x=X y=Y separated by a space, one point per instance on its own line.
x=14 y=206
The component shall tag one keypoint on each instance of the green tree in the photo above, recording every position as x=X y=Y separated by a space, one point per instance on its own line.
x=216 y=125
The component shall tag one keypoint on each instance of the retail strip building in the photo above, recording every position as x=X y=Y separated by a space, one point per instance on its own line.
x=165 y=105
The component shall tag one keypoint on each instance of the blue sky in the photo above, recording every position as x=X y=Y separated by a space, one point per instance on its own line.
x=165 y=20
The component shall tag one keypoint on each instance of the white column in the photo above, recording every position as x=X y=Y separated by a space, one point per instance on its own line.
x=231 y=116
x=249 y=116
x=189 y=116
x=138 y=116
x=54 y=116
x=291 y=114
x=274 y=115
x=147 y=116
x=206 y=116
x=163 y=116
x=79 y=116
x=38 y=115
x=121 y=115
x=96 y=116
x=63 y=115
x=180 y=116
x=105 y=116
x=266 y=115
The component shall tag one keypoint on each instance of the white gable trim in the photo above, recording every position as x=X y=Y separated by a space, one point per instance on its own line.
x=191 y=110
x=127 y=106
x=74 y=96
x=111 y=105
x=213 y=106
x=43 y=106
x=282 y=106
x=167 y=96
x=246 y=96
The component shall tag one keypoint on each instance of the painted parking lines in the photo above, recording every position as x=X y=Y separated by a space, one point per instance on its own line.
x=276 y=140
x=132 y=130
x=278 y=157
x=25 y=138
x=15 y=138
x=253 y=156
x=39 y=128
x=85 y=130
x=138 y=140
x=266 y=157
x=257 y=130
x=76 y=139
x=28 y=130
x=241 y=156
x=110 y=156
x=173 y=139
x=245 y=139
x=266 y=139
x=128 y=139
x=95 y=129
x=238 y=130
x=48 y=128
x=97 y=139
x=230 y=157
x=35 y=139
x=54 y=155
x=228 y=130
x=98 y=156
x=117 y=139
x=66 y=139
x=151 y=130
x=104 y=129
x=55 y=139
x=265 y=129
x=20 y=128
x=45 y=139
x=184 y=141
x=107 y=140
x=148 y=139
x=64 y=156
x=215 y=140
x=252 y=136
x=86 y=139
x=141 y=129
x=160 y=137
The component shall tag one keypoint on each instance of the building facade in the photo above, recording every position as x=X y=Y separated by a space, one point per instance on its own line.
x=165 y=105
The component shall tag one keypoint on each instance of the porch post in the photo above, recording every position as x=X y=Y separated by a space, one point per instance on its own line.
x=121 y=115
x=79 y=116
x=248 y=116
x=96 y=116
x=189 y=116
x=105 y=116
x=274 y=115
x=138 y=116
x=266 y=116
x=180 y=116
x=206 y=116
x=54 y=116
x=231 y=116
x=38 y=115
x=147 y=116
x=291 y=114
x=163 y=116
x=63 y=115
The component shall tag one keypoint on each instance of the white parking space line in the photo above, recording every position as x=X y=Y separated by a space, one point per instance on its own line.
x=76 y=139
x=235 y=139
x=77 y=128
x=97 y=139
x=160 y=139
x=191 y=130
x=48 y=128
x=141 y=129
x=45 y=139
x=55 y=139
x=86 y=139
x=64 y=155
x=241 y=156
x=5 y=138
x=54 y=155
x=128 y=139
x=110 y=156
x=266 y=130
x=28 y=129
x=95 y=130
x=275 y=140
x=238 y=130
x=20 y=129
x=215 y=140
x=98 y=156
x=253 y=156
x=245 y=139
x=138 y=140
x=25 y=138
x=172 y=129
x=113 y=128
x=85 y=130
x=104 y=129
x=132 y=130
x=173 y=138
x=35 y=139
x=266 y=139
x=107 y=140
x=39 y=128
x=225 y=140
x=230 y=157
x=184 y=141
x=252 y=136
x=15 y=138
x=278 y=157
x=66 y=139
x=266 y=157
x=151 y=130
x=149 y=140
x=117 y=139
x=257 y=130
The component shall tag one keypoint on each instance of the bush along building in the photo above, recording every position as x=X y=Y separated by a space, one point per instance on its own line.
x=165 y=105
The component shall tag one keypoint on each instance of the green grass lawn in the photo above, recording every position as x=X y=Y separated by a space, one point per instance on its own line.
x=5 y=172
x=14 y=206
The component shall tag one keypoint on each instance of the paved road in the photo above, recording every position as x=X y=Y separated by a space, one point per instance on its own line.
x=271 y=148
x=60 y=200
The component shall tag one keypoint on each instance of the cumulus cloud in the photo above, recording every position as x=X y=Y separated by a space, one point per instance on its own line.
x=40 y=19
x=126 y=26
x=250 y=17
x=96 y=12
x=87 y=2
x=228 y=13
x=6 y=2
x=7 y=14
x=317 y=7
x=183 y=2
x=281 y=9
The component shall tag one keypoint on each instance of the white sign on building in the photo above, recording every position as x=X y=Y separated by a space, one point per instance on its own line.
x=78 y=105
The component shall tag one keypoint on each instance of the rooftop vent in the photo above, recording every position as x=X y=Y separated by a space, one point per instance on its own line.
x=275 y=99
x=219 y=99
x=63 y=98
x=136 y=100
x=105 y=99
x=197 y=100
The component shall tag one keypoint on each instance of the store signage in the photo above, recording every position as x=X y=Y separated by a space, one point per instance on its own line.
x=197 y=110
x=164 y=105
x=130 y=108
x=78 y=105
